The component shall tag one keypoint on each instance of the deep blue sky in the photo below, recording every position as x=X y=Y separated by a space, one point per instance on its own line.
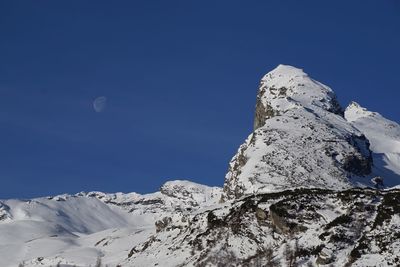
x=181 y=79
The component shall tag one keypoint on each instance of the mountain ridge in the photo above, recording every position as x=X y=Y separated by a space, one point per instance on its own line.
x=297 y=193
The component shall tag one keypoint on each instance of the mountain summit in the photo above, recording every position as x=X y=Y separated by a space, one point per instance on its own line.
x=286 y=88
x=297 y=193
x=300 y=139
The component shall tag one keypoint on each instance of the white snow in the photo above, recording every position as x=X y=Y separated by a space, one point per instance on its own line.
x=384 y=137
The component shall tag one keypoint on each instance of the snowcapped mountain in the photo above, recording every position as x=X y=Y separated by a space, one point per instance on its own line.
x=297 y=193
x=300 y=139
x=384 y=137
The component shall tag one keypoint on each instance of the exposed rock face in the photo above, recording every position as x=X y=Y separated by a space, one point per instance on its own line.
x=287 y=87
x=356 y=227
x=4 y=212
x=300 y=139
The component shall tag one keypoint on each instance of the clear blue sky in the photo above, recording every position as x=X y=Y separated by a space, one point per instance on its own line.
x=181 y=79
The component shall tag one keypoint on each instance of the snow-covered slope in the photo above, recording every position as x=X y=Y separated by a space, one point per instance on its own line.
x=77 y=229
x=300 y=140
x=384 y=137
x=43 y=227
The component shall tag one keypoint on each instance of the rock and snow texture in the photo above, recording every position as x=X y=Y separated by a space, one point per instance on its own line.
x=301 y=227
x=300 y=139
x=384 y=137
x=286 y=88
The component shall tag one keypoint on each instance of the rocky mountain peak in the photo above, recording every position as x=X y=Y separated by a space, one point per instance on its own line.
x=286 y=88
x=355 y=111
x=300 y=139
x=354 y=104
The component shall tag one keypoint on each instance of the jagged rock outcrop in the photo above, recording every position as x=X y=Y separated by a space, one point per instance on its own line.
x=287 y=87
x=300 y=139
x=306 y=227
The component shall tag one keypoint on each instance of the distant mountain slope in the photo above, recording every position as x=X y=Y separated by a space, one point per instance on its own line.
x=77 y=229
x=384 y=137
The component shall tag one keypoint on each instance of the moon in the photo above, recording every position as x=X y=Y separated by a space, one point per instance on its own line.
x=100 y=103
